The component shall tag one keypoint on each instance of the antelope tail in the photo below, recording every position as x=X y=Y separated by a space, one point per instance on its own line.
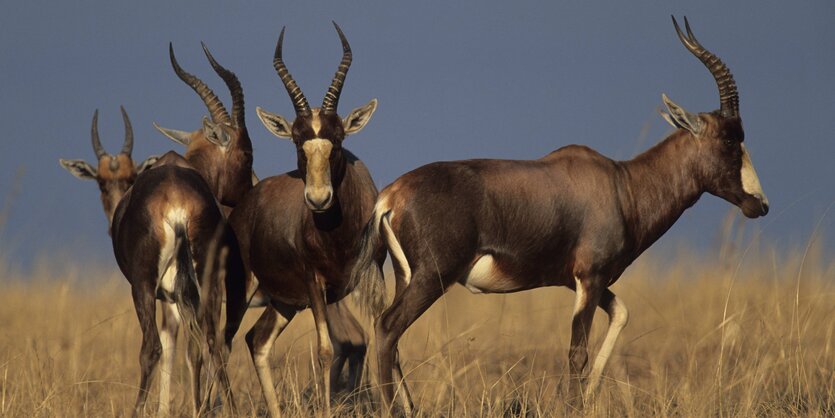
x=367 y=272
x=186 y=286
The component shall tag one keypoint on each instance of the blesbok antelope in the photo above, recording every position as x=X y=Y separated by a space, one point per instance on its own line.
x=298 y=231
x=172 y=243
x=221 y=151
x=573 y=218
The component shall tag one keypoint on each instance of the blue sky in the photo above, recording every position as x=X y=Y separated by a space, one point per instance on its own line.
x=455 y=80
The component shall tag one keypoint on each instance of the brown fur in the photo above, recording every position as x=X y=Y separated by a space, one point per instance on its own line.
x=572 y=218
x=138 y=234
x=228 y=172
x=300 y=242
x=281 y=238
x=138 y=205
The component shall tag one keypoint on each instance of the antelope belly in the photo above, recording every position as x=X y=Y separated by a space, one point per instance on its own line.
x=486 y=277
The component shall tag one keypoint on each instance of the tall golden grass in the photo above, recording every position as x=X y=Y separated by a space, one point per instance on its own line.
x=745 y=332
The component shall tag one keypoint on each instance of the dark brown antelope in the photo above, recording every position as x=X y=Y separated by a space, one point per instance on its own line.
x=222 y=152
x=298 y=231
x=573 y=218
x=171 y=242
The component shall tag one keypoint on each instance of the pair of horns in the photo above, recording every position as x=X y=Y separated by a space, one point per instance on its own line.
x=728 y=95
x=331 y=100
x=213 y=103
x=127 y=147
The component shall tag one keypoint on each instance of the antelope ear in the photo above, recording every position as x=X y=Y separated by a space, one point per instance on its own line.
x=358 y=117
x=144 y=165
x=214 y=133
x=80 y=169
x=275 y=123
x=181 y=137
x=680 y=118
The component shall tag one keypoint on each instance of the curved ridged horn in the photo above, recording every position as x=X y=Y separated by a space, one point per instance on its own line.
x=216 y=109
x=94 y=133
x=127 y=148
x=331 y=100
x=234 y=86
x=296 y=95
x=728 y=95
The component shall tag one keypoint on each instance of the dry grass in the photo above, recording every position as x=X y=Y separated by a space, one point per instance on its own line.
x=723 y=335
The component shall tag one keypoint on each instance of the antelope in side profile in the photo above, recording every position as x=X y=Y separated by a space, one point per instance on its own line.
x=298 y=231
x=171 y=242
x=573 y=218
x=221 y=151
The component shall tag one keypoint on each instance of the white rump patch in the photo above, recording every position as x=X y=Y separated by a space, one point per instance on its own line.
x=750 y=181
x=485 y=277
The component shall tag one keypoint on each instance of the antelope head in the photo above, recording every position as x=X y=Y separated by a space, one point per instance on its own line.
x=220 y=150
x=115 y=173
x=726 y=166
x=318 y=132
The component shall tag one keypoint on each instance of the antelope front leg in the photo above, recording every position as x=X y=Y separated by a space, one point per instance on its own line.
x=588 y=296
x=349 y=343
x=260 y=340
x=618 y=317
x=316 y=289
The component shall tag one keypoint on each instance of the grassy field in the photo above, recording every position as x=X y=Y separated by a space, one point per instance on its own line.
x=730 y=333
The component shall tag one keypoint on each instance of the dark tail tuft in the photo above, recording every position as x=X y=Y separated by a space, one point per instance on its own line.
x=186 y=286
x=367 y=273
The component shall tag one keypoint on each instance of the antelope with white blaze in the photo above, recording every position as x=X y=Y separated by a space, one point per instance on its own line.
x=573 y=218
x=298 y=231
x=172 y=244
x=221 y=151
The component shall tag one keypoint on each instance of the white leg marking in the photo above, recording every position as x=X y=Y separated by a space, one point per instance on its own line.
x=750 y=181
x=168 y=340
x=396 y=251
x=580 y=298
x=618 y=317
x=263 y=353
x=260 y=359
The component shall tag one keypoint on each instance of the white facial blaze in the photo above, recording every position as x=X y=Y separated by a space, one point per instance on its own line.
x=318 y=187
x=316 y=122
x=750 y=181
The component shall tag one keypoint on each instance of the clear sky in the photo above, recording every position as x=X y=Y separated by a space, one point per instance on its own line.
x=455 y=80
